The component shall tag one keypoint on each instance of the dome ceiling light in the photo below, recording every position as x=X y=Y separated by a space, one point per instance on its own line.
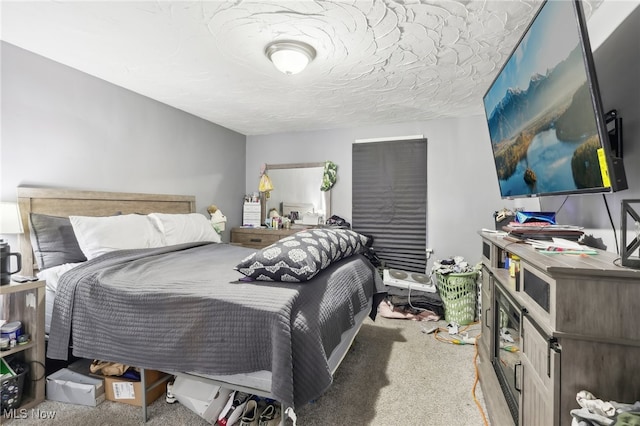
x=290 y=56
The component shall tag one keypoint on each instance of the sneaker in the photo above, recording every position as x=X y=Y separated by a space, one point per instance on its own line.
x=250 y=414
x=233 y=409
x=270 y=416
x=170 y=398
x=240 y=398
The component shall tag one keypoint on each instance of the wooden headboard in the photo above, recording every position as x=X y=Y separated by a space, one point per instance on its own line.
x=68 y=202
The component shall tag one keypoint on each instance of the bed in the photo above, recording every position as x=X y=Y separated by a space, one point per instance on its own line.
x=183 y=307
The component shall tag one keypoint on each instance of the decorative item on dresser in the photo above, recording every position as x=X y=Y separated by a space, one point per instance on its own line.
x=544 y=330
x=259 y=237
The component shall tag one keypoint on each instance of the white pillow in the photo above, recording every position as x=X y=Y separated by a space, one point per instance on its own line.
x=100 y=235
x=185 y=228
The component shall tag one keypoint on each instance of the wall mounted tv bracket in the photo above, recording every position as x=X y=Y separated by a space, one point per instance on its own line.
x=630 y=228
x=614 y=128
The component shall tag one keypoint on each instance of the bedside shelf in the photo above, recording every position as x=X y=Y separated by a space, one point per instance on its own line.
x=17 y=349
x=25 y=302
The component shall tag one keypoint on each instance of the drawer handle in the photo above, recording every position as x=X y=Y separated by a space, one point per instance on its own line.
x=256 y=240
x=486 y=322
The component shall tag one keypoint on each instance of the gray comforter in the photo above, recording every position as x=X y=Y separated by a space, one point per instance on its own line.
x=184 y=308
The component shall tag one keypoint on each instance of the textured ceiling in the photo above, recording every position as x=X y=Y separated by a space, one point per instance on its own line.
x=377 y=61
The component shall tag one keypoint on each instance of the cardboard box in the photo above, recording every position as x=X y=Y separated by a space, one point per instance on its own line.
x=129 y=391
x=205 y=399
x=68 y=386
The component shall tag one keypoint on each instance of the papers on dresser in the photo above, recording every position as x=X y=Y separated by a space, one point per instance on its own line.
x=560 y=245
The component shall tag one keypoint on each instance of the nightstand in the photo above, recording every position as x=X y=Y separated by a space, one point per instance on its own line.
x=25 y=302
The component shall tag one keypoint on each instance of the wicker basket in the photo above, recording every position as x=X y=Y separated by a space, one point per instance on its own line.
x=458 y=292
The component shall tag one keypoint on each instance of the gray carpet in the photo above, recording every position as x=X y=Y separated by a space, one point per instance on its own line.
x=394 y=374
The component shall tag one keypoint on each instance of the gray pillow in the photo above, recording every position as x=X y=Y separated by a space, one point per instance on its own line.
x=53 y=240
x=303 y=255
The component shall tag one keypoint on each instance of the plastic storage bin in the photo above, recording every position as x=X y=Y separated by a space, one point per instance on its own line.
x=11 y=330
x=458 y=292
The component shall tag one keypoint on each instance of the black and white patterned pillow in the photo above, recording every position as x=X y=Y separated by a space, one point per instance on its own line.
x=303 y=255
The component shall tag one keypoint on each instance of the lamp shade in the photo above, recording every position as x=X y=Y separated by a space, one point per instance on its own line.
x=10 y=222
x=290 y=57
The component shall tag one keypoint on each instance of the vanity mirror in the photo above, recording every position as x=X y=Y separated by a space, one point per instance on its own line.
x=296 y=188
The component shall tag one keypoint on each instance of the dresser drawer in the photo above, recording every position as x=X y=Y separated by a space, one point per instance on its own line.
x=257 y=240
x=258 y=237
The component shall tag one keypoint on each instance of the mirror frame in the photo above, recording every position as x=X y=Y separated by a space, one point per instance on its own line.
x=263 y=200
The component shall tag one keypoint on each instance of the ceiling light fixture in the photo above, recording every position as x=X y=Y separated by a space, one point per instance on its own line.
x=290 y=56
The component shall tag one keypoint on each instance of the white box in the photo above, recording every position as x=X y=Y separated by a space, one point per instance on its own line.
x=406 y=281
x=68 y=386
x=251 y=214
x=205 y=399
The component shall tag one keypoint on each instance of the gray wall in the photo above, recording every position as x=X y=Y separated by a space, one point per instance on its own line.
x=64 y=128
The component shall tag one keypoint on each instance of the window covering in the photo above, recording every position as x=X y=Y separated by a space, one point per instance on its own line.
x=389 y=200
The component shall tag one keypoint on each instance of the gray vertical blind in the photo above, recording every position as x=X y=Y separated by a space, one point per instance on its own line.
x=389 y=200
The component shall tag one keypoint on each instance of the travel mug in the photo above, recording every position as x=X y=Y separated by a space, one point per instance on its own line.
x=5 y=262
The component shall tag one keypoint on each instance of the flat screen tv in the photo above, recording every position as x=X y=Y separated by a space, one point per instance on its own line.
x=547 y=129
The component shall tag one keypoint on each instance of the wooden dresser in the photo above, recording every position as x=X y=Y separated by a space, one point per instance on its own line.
x=259 y=237
x=574 y=323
